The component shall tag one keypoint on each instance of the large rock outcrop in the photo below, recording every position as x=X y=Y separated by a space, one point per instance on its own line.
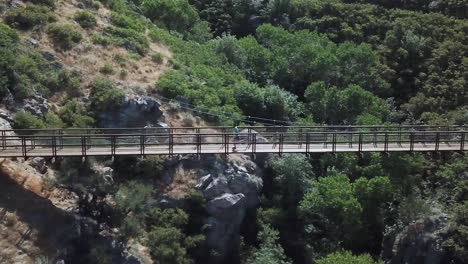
x=135 y=111
x=419 y=242
x=231 y=190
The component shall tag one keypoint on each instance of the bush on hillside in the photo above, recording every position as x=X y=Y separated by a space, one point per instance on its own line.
x=29 y=16
x=50 y=3
x=86 y=19
x=64 y=36
x=26 y=120
x=346 y=257
x=105 y=96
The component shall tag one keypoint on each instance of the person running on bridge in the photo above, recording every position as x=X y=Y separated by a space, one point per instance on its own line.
x=236 y=137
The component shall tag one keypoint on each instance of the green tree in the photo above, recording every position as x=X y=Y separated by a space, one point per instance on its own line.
x=293 y=173
x=270 y=251
x=331 y=207
x=166 y=245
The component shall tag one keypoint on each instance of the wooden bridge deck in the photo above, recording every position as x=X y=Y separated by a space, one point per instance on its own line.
x=216 y=140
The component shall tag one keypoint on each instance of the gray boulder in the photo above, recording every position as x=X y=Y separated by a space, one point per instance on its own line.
x=227 y=213
x=39 y=164
x=216 y=187
x=226 y=206
x=419 y=242
x=135 y=111
x=231 y=190
x=37 y=106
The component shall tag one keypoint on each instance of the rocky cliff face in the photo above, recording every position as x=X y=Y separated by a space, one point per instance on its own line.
x=231 y=190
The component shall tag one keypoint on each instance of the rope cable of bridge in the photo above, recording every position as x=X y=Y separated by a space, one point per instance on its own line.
x=222 y=114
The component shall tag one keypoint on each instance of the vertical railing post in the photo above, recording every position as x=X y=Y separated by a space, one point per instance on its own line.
x=300 y=137
x=386 y=142
x=226 y=144
x=23 y=147
x=171 y=142
x=307 y=142
x=411 y=141
x=113 y=145
x=3 y=139
x=360 y=142
x=325 y=144
x=60 y=132
x=254 y=143
x=33 y=142
x=198 y=142
x=399 y=136
x=84 y=147
x=280 y=147
x=334 y=143
x=142 y=145
x=462 y=140
x=437 y=141
x=54 y=146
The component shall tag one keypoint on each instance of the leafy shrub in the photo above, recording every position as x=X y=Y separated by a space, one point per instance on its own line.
x=50 y=3
x=166 y=245
x=129 y=39
x=29 y=16
x=64 y=36
x=104 y=95
x=107 y=69
x=102 y=40
x=131 y=226
x=74 y=114
x=157 y=58
x=346 y=257
x=52 y=120
x=177 y=15
x=127 y=21
x=86 y=19
x=123 y=74
x=132 y=197
x=26 y=120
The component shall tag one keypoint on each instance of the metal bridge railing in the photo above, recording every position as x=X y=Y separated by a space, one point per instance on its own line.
x=170 y=141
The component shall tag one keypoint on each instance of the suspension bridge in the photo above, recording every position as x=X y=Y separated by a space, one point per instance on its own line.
x=223 y=140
